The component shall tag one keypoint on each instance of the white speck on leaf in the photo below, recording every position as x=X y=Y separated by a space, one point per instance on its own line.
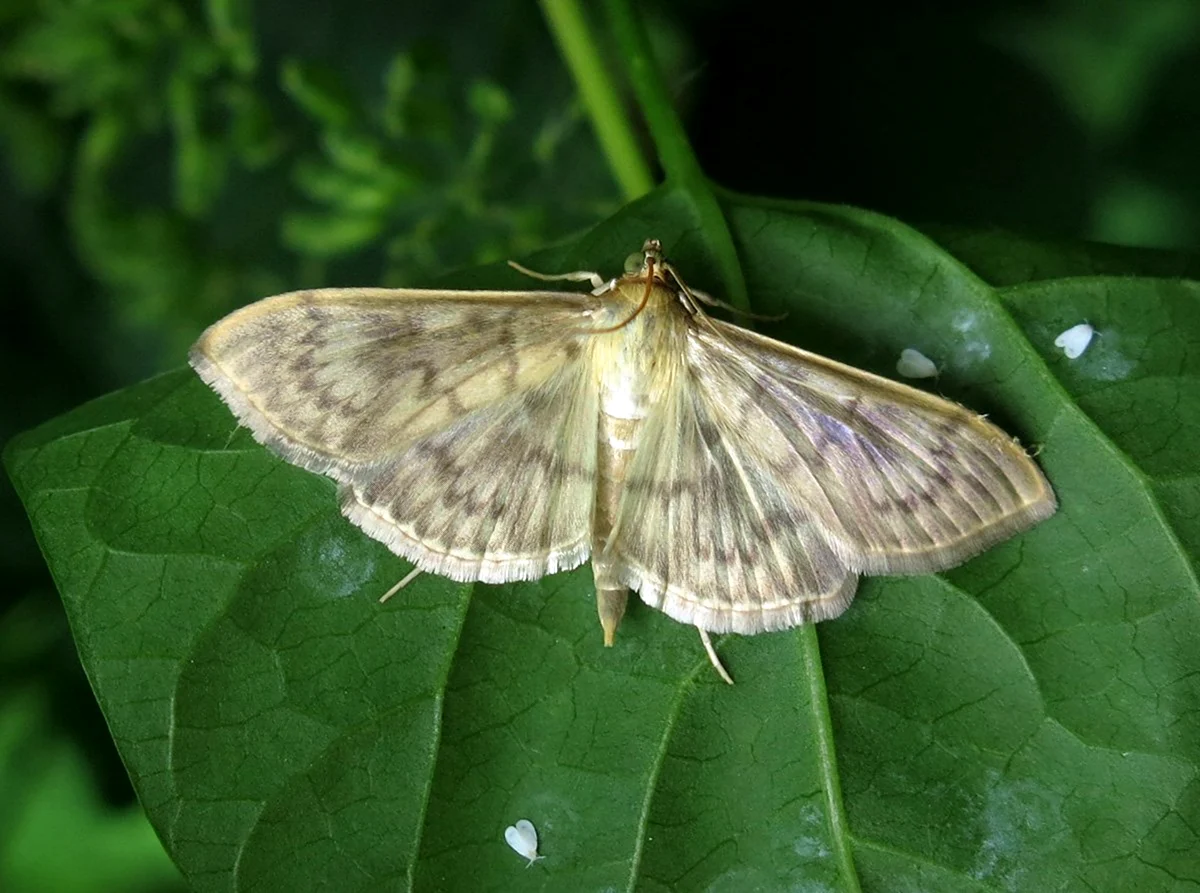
x=1075 y=340
x=973 y=347
x=338 y=571
x=812 y=844
x=964 y=321
x=914 y=364
x=523 y=838
x=1020 y=826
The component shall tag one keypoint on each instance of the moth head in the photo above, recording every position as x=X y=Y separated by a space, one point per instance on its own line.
x=649 y=266
x=638 y=264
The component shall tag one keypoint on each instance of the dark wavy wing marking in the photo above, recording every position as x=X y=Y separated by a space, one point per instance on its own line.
x=461 y=425
x=899 y=481
x=705 y=534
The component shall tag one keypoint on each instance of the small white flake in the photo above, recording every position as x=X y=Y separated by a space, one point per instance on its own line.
x=522 y=837
x=914 y=364
x=1075 y=340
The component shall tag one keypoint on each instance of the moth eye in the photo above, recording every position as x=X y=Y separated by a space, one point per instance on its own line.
x=633 y=263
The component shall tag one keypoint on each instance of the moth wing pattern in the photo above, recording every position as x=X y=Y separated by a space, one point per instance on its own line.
x=791 y=474
x=902 y=481
x=460 y=426
x=709 y=537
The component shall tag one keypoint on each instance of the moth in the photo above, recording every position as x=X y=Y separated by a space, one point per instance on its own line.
x=736 y=483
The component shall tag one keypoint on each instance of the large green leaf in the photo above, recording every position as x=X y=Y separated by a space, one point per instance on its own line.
x=1028 y=721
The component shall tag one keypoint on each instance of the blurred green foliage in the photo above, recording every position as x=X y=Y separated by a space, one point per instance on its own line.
x=164 y=161
x=203 y=163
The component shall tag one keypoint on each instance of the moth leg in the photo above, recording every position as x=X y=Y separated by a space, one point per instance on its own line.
x=408 y=578
x=712 y=655
x=610 y=605
x=594 y=279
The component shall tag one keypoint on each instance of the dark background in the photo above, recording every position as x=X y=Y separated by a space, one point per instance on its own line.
x=163 y=162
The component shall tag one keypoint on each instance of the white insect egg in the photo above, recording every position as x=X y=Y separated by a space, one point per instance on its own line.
x=1075 y=340
x=522 y=837
x=914 y=364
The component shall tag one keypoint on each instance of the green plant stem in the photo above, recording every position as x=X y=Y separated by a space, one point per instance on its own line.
x=601 y=97
x=835 y=809
x=674 y=149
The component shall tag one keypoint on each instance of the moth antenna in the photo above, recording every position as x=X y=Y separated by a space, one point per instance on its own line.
x=707 y=320
x=695 y=297
x=717 y=302
x=577 y=276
